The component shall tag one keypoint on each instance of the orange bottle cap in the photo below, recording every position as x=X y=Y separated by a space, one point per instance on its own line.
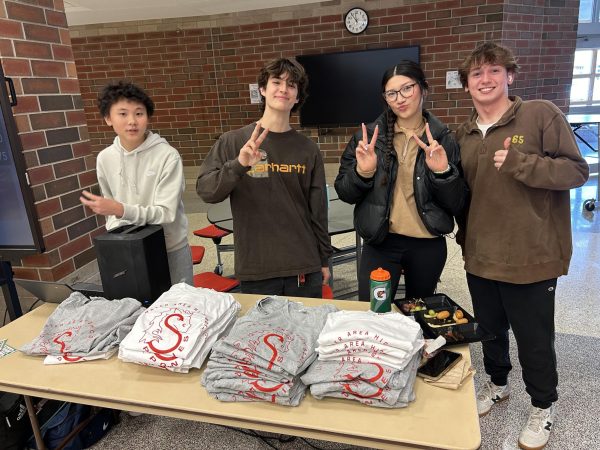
x=380 y=275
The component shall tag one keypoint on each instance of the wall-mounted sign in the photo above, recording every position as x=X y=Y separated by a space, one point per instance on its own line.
x=254 y=94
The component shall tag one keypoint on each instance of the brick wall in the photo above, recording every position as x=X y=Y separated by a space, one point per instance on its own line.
x=35 y=51
x=544 y=36
x=198 y=72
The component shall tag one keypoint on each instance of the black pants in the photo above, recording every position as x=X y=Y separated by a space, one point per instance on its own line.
x=422 y=260
x=529 y=310
x=286 y=286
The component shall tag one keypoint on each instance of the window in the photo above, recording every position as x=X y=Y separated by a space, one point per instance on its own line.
x=586 y=11
x=585 y=89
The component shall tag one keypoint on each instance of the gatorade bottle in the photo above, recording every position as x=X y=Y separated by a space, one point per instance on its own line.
x=380 y=288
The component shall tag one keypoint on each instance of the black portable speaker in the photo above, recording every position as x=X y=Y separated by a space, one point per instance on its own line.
x=133 y=263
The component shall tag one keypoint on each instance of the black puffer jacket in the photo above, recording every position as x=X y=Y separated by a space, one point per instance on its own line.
x=438 y=198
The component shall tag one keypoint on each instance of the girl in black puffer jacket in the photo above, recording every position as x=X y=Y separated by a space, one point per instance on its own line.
x=403 y=173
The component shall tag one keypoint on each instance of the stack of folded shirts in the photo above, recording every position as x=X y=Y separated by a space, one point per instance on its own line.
x=178 y=330
x=83 y=329
x=265 y=353
x=368 y=357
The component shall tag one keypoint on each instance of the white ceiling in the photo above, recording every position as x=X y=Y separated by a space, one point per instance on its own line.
x=83 y=12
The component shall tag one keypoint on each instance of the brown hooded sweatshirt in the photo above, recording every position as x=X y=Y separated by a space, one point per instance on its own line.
x=518 y=227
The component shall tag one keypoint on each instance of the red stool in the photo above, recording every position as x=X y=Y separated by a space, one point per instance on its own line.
x=327 y=292
x=216 y=234
x=197 y=253
x=211 y=280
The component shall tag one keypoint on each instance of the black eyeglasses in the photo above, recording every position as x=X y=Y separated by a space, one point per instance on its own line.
x=405 y=91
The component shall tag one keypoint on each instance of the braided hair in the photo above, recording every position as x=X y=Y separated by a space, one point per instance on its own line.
x=409 y=69
x=388 y=150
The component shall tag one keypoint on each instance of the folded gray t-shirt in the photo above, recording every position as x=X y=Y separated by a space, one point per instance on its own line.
x=82 y=326
x=277 y=335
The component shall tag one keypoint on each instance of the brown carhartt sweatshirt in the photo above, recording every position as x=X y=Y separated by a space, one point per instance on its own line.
x=279 y=207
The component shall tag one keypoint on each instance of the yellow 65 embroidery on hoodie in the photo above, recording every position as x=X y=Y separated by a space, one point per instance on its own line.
x=517 y=139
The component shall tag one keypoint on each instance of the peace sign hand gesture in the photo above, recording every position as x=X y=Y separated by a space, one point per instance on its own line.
x=250 y=152
x=366 y=159
x=435 y=155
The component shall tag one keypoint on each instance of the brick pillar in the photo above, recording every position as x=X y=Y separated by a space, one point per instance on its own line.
x=543 y=35
x=35 y=51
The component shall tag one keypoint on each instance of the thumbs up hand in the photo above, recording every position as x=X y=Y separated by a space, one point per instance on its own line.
x=500 y=155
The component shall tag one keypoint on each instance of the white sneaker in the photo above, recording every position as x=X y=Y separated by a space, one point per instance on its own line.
x=536 y=431
x=489 y=395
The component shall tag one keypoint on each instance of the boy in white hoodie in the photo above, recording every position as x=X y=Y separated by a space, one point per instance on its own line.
x=141 y=176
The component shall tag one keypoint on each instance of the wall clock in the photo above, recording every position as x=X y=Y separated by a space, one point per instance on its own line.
x=356 y=20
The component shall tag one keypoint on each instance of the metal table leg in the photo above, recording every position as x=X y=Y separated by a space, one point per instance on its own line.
x=9 y=291
x=576 y=127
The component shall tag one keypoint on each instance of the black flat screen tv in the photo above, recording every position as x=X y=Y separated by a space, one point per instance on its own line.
x=344 y=89
x=20 y=232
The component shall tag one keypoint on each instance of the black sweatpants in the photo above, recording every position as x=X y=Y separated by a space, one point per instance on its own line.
x=289 y=286
x=422 y=260
x=529 y=310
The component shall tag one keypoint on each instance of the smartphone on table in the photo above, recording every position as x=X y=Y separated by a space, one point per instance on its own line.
x=435 y=368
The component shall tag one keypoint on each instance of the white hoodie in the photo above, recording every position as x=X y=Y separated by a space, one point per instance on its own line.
x=149 y=182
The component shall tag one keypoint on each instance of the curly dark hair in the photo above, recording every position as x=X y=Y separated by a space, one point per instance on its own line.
x=488 y=53
x=123 y=90
x=296 y=74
